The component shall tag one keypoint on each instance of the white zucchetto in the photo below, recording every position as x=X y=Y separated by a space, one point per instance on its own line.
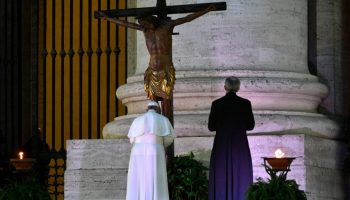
x=153 y=103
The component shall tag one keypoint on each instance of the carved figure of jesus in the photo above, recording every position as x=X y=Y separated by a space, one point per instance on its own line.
x=159 y=77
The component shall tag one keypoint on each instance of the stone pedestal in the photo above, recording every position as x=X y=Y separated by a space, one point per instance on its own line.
x=264 y=43
x=96 y=169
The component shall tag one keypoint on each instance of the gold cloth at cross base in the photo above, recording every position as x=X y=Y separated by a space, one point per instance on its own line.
x=159 y=84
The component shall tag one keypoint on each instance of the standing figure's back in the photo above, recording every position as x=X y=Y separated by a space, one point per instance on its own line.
x=230 y=172
x=147 y=175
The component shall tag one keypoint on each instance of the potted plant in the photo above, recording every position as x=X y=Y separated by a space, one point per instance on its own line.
x=27 y=189
x=276 y=188
x=187 y=178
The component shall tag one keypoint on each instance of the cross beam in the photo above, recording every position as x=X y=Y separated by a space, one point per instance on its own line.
x=161 y=10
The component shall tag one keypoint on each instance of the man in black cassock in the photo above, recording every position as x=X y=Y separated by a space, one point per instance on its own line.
x=230 y=171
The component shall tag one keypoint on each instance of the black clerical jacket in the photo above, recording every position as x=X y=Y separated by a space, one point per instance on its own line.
x=231 y=113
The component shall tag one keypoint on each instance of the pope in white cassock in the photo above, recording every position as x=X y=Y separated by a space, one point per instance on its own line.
x=147 y=175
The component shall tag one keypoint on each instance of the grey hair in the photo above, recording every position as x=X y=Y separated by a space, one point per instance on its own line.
x=232 y=84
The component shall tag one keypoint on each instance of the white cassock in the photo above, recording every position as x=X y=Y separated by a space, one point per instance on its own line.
x=147 y=175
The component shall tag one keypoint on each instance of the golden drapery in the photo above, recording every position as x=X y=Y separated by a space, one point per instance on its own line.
x=159 y=84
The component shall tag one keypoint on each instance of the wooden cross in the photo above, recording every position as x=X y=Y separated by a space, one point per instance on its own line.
x=161 y=10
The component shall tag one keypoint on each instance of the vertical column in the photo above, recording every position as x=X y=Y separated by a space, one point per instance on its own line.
x=264 y=43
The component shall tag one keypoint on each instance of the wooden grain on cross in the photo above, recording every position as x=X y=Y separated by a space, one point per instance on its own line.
x=161 y=10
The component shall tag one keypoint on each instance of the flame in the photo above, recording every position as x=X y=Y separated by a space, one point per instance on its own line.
x=21 y=154
x=279 y=153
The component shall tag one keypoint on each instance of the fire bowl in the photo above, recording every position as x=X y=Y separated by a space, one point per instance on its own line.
x=279 y=163
x=23 y=164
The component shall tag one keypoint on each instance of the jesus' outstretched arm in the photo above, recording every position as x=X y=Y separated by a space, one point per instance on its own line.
x=121 y=22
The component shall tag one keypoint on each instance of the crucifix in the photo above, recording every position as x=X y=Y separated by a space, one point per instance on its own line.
x=159 y=78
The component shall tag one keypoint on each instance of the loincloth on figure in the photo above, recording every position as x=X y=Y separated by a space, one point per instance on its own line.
x=159 y=83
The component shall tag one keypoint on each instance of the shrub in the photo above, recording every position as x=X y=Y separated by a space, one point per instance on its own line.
x=187 y=179
x=27 y=189
x=275 y=188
